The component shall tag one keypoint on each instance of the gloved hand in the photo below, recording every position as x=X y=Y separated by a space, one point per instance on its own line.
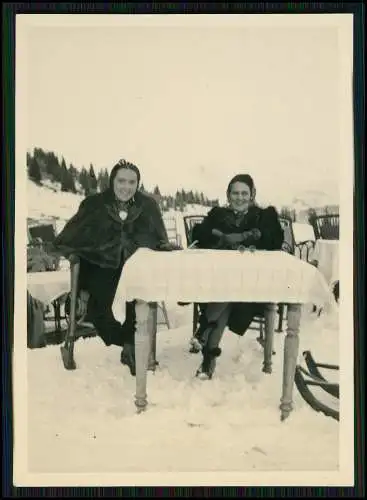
x=168 y=247
x=233 y=239
x=251 y=235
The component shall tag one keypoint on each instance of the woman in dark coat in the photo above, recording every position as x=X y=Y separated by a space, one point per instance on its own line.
x=107 y=229
x=241 y=224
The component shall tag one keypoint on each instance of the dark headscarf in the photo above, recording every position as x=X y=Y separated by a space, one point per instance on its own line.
x=245 y=179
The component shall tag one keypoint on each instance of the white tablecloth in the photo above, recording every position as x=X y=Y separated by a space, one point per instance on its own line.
x=217 y=276
x=327 y=254
x=48 y=286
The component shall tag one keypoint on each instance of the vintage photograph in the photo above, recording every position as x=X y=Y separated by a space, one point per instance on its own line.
x=184 y=190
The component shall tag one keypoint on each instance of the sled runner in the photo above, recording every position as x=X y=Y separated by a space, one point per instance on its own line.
x=306 y=380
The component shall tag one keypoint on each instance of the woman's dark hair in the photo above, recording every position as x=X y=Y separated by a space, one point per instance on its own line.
x=123 y=164
x=245 y=179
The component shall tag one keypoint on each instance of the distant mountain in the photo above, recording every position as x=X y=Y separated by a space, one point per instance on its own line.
x=313 y=198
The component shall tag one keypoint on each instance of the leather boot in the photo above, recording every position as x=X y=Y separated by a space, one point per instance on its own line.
x=200 y=338
x=207 y=367
x=128 y=358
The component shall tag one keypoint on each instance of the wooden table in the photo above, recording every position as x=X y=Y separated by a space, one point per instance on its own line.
x=214 y=276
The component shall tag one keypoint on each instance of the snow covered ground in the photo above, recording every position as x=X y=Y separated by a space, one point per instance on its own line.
x=85 y=421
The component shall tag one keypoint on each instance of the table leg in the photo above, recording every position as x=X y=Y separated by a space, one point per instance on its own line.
x=270 y=315
x=291 y=347
x=153 y=313
x=143 y=344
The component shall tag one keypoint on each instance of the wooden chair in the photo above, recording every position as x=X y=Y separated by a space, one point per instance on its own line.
x=190 y=221
x=326 y=226
x=74 y=323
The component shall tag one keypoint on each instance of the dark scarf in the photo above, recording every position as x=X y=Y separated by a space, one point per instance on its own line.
x=234 y=218
x=123 y=205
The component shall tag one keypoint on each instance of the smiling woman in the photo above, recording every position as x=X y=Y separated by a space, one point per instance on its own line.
x=243 y=224
x=106 y=231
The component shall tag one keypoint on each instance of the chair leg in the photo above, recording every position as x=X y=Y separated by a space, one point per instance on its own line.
x=281 y=316
x=165 y=314
x=67 y=350
x=57 y=308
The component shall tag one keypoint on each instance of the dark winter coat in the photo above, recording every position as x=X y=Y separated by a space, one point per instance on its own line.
x=269 y=237
x=225 y=220
x=97 y=234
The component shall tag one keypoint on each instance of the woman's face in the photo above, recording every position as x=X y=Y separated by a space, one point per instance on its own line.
x=240 y=196
x=125 y=184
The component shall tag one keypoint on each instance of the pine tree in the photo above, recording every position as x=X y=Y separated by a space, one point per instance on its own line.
x=34 y=171
x=84 y=180
x=71 y=179
x=190 y=198
x=103 y=180
x=93 y=180
x=179 y=200
x=65 y=184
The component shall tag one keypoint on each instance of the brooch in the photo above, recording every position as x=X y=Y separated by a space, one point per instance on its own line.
x=123 y=215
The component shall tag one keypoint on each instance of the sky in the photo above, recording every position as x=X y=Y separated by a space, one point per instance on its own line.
x=191 y=105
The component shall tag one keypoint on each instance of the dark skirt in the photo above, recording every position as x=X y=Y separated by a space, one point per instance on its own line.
x=242 y=315
x=101 y=283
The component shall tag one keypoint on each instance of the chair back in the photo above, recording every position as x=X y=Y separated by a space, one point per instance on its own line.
x=190 y=221
x=289 y=243
x=326 y=226
x=170 y=224
x=43 y=235
x=47 y=232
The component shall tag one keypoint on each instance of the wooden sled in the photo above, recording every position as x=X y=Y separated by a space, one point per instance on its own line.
x=306 y=380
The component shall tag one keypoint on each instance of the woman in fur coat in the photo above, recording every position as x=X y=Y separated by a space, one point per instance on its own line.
x=245 y=224
x=107 y=229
